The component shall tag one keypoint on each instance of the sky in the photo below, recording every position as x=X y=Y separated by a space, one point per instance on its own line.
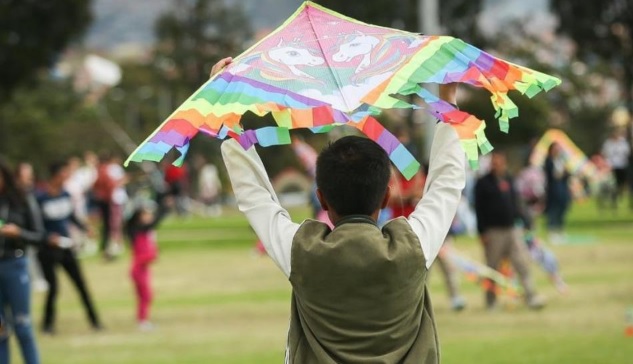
x=533 y=13
x=120 y=22
x=117 y=22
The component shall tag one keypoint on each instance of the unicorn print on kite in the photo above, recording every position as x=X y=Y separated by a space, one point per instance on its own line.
x=321 y=69
x=293 y=56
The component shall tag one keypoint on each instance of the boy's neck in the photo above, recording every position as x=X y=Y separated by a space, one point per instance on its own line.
x=337 y=219
x=355 y=219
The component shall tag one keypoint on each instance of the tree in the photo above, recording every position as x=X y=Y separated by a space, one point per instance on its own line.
x=48 y=122
x=33 y=33
x=31 y=36
x=602 y=30
x=190 y=39
x=196 y=34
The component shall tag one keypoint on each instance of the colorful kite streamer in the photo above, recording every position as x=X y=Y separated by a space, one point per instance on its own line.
x=321 y=69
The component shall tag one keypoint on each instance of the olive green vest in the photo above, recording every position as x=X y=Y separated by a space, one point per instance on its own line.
x=359 y=295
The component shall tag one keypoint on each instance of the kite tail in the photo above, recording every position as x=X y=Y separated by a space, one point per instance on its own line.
x=398 y=154
x=470 y=130
x=505 y=109
x=488 y=278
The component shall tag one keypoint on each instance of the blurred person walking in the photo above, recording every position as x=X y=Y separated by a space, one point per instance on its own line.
x=78 y=186
x=20 y=226
x=57 y=211
x=117 y=206
x=210 y=188
x=497 y=208
x=102 y=193
x=616 y=151
x=557 y=193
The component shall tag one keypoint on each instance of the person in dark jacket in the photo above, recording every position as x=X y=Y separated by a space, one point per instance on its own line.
x=498 y=210
x=20 y=226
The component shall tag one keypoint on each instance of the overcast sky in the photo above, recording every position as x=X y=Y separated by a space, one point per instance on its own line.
x=117 y=22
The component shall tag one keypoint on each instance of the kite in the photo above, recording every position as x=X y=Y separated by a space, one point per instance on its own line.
x=547 y=260
x=321 y=69
x=489 y=278
x=576 y=162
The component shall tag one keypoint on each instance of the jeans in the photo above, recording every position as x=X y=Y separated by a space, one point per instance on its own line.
x=555 y=214
x=15 y=306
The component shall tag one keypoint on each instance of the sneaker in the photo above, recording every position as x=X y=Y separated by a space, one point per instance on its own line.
x=458 y=303
x=48 y=331
x=536 y=302
x=560 y=285
x=40 y=285
x=146 y=326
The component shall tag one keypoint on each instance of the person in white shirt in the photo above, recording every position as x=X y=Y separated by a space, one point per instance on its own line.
x=616 y=151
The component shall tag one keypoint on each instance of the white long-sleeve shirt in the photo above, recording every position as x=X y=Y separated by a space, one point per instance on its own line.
x=430 y=220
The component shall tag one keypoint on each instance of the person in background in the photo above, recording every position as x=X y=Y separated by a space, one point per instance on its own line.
x=57 y=211
x=530 y=185
x=78 y=185
x=210 y=188
x=25 y=178
x=20 y=226
x=140 y=229
x=117 y=205
x=405 y=195
x=177 y=179
x=102 y=191
x=603 y=183
x=557 y=193
x=497 y=208
x=616 y=151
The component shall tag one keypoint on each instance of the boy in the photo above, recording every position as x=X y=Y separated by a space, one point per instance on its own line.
x=359 y=292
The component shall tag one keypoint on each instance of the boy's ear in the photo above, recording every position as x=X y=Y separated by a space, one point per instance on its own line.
x=322 y=201
x=385 y=200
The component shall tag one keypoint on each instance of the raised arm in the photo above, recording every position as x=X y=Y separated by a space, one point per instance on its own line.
x=256 y=197
x=446 y=179
x=258 y=201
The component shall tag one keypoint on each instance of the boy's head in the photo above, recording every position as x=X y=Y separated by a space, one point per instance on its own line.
x=352 y=177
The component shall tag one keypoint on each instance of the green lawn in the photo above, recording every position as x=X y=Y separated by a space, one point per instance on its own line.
x=218 y=303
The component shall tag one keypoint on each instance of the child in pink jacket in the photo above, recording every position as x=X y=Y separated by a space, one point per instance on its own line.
x=140 y=229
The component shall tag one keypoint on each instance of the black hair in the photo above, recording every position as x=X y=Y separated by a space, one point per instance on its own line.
x=56 y=167
x=353 y=174
x=11 y=190
x=132 y=224
x=550 y=149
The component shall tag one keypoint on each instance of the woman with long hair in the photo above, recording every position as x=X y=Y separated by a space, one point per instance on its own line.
x=557 y=193
x=20 y=225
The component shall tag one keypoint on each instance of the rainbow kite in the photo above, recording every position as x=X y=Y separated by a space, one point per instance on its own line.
x=576 y=162
x=321 y=69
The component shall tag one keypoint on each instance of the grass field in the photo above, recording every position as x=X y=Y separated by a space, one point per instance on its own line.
x=218 y=303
